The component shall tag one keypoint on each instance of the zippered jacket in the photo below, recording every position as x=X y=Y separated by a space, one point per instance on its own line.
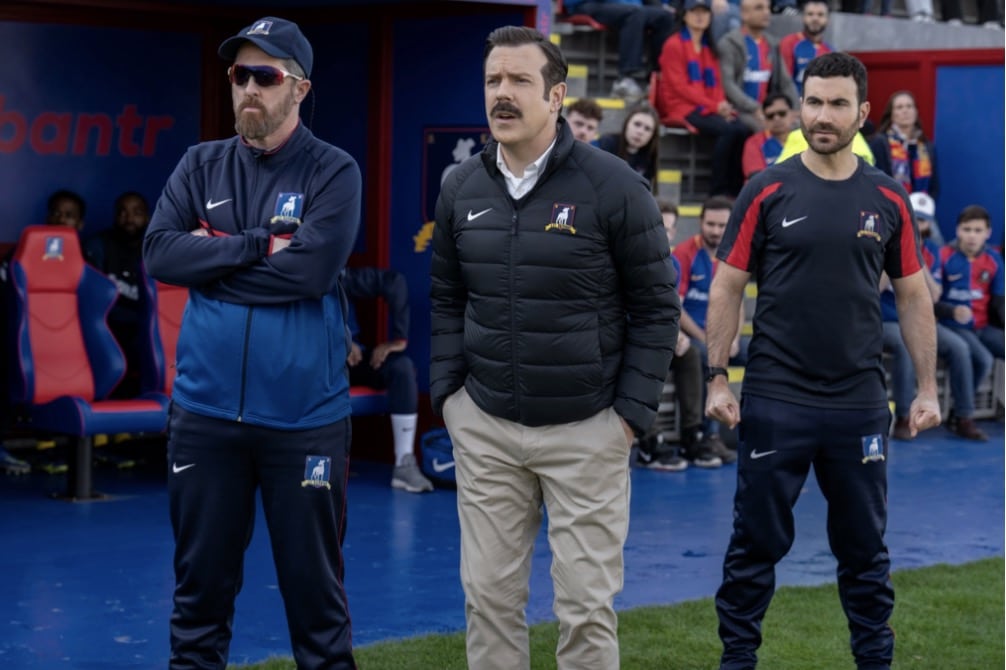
x=556 y=306
x=263 y=339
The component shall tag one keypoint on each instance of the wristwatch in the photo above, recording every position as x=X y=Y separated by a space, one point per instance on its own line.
x=711 y=373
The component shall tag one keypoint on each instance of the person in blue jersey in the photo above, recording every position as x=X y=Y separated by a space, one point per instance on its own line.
x=816 y=232
x=553 y=321
x=259 y=227
x=799 y=49
x=764 y=148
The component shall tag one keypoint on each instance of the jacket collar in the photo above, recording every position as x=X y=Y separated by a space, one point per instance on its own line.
x=564 y=142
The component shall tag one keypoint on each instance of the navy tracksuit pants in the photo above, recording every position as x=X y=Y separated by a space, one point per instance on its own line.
x=397 y=375
x=779 y=441
x=214 y=469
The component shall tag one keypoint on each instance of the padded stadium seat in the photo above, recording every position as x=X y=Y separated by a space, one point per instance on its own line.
x=164 y=305
x=66 y=359
x=587 y=23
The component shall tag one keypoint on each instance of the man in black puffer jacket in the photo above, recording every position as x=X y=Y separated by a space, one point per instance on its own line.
x=554 y=318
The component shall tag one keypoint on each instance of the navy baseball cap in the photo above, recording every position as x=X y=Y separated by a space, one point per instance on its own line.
x=277 y=37
x=692 y=4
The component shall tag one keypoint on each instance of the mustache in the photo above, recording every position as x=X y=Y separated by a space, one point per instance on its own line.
x=250 y=103
x=823 y=127
x=505 y=107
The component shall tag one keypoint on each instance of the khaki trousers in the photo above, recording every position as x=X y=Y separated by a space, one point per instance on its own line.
x=505 y=471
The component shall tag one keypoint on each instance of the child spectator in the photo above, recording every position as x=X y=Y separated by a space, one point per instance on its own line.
x=638 y=143
x=690 y=95
x=584 y=117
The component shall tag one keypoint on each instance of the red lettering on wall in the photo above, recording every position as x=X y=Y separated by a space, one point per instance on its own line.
x=59 y=133
x=85 y=124
x=50 y=133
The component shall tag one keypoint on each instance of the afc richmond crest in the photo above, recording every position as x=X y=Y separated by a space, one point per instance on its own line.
x=868 y=224
x=260 y=28
x=562 y=218
x=288 y=208
x=873 y=448
x=53 y=249
x=318 y=472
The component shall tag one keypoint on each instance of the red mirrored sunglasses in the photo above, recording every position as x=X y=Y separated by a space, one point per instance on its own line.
x=264 y=75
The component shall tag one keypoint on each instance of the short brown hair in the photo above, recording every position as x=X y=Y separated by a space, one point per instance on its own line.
x=555 y=69
x=716 y=202
x=972 y=212
x=587 y=108
x=667 y=206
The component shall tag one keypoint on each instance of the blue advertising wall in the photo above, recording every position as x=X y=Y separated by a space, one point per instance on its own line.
x=969 y=144
x=93 y=110
x=437 y=95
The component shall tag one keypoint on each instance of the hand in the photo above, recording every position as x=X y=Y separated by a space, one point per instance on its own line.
x=355 y=355
x=381 y=351
x=683 y=344
x=962 y=314
x=630 y=434
x=721 y=403
x=924 y=413
x=735 y=347
x=200 y=232
x=283 y=228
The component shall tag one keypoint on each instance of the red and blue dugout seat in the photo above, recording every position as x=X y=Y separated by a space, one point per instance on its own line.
x=164 y=307
x=66 y=360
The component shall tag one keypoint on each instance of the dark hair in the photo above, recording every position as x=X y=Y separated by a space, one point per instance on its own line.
x=771 y=99
x=652 y=149
x=667 y=206
x=64 y=194
x=886 y=121
x=130 y=194
x=838 y=64
x=816 y=2
x=586 y=107
x=555 y=69
x=716 y=202
x=972 y=212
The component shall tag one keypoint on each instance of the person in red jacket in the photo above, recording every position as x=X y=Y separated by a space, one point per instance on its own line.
x=690 y=95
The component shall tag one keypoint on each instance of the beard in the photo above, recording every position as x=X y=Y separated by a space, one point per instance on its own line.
x=843 y=137
x=261 y=126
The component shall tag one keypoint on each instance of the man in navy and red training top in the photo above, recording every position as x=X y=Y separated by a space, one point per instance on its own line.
x=816 y=232
x=799 y=49
x=258 y=227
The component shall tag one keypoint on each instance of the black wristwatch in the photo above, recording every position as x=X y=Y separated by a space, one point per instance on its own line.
x=712 y=372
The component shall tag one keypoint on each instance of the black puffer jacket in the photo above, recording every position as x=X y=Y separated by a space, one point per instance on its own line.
x=546 y=317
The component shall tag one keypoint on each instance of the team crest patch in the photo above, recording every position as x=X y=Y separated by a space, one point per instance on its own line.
x=318 y=472
x=562 y=218
x=260 y=28
x=53 y=249
x=869 y=222
x=984 y=277
x=873 y=448
x=288 y=208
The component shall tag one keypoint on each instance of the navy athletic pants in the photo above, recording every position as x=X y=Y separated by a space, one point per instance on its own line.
x=778 y=442
x=214 y=469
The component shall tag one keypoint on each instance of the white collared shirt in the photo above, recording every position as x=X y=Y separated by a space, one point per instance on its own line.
x=518 y=187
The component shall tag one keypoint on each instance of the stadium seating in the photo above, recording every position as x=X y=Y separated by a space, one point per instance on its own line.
x=66 y=359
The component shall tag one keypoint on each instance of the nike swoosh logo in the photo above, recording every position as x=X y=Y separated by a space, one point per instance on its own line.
x=212 y=205
x=440 y=467
x=755 y=455
x=472 y=217
x=954 y=277
x=175 y=468
x=786 y=223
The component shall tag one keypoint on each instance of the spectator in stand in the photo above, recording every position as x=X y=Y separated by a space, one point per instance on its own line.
x=639 y=24
x=690 y=95
x=639 y=142
x=387 y=366
x=697 y=258
x=973 y=283
x=726 y=17
x=584 y=117
x=799 y=49
x=751 y=65
x=964 y=370
x=686 y=371
x=901 y=147
x=118 y=253
x=763 y=149
x=988 y=13
x=866 y=7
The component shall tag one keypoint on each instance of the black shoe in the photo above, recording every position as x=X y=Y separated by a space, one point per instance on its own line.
x=702 y=456
x=719 y=448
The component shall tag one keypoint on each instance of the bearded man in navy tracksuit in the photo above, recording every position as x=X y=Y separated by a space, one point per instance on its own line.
x=258 y=228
